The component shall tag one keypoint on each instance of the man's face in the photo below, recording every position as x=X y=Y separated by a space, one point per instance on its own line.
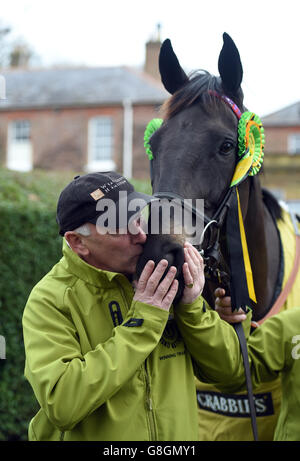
x=115 y=252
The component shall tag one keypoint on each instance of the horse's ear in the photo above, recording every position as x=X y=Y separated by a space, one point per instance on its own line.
x=230 y=66
x=173 y=76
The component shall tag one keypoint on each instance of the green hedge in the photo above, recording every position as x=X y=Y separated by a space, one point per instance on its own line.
x=29 y=247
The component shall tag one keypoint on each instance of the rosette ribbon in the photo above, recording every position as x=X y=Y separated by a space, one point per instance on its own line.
x=251 y=140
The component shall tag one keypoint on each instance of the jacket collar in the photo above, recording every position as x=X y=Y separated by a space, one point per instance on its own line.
x=85 y=271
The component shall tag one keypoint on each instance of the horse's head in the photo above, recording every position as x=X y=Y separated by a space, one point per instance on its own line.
x=195 y=149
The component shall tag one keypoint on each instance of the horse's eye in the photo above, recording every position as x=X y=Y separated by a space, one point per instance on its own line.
x=226 y=147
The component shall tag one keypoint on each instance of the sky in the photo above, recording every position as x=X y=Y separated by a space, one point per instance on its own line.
x=114 y=32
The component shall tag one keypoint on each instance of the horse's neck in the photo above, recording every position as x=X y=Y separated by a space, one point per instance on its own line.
x=264 y=251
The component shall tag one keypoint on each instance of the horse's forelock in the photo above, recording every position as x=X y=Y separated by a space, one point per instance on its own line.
x=197 y=89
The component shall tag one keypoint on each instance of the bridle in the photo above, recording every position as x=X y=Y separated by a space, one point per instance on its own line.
x=211 y=252
x=219 y=215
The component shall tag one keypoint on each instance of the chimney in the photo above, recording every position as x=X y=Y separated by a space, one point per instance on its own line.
x=152 y=53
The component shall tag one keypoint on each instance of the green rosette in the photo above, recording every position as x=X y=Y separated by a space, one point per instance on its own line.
x=152 y=126
x=251 y=140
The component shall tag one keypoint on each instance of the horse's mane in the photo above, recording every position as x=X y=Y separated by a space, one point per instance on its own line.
x=195 y=90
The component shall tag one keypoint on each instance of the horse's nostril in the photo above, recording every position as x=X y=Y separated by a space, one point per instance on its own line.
x=170 y=257
x=175 y=256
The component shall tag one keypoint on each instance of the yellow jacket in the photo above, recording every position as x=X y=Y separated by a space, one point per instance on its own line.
x=226 y=416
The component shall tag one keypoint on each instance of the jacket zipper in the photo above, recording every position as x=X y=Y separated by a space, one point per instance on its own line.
x=149 y=406
x=148 y=389
x=123 y=295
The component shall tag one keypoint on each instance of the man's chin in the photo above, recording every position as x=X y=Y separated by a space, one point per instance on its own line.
x=129 y=269
x=130 y=266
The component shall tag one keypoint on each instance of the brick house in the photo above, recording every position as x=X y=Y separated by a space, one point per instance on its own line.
x=80 y=119
x=282 y=149
x=282 y=130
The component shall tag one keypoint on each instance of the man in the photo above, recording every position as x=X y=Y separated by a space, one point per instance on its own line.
x=107 y=362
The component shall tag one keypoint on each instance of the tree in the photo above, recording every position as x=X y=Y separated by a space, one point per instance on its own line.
x=20 y=55
x=15 y=53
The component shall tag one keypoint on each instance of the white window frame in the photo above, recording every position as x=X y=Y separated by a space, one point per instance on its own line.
x=294 y=144
x=101 y=138
x=20 y=130
x=19 y=147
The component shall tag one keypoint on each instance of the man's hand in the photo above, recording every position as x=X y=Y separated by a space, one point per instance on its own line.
x=150 y=290
x=193 y=273
x=223 y=307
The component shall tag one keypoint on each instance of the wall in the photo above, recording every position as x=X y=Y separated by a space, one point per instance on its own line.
x=276 y=138
x=142 y=116
x=281 y=170
x=60 y=136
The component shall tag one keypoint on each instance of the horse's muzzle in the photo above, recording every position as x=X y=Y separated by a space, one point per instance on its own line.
x=158 y=247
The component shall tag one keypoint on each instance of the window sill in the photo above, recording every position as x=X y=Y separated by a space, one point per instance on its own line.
x=106 y=165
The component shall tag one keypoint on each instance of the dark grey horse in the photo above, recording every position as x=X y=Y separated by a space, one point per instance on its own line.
x=194 y=156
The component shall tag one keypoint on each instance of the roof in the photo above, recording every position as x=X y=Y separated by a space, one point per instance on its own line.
x=73 y=87
x=288 y=116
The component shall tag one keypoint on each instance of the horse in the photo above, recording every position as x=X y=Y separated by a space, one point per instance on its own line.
x=195 y=152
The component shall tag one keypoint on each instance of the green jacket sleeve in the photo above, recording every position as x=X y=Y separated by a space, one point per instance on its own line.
x=70 y=385
x=270 y=346
x=214 y=345
x=209 y=340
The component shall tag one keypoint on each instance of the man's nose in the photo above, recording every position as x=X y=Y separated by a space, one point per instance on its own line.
x=139 y=236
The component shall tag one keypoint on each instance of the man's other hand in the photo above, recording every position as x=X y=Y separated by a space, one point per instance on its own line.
x=151 y=290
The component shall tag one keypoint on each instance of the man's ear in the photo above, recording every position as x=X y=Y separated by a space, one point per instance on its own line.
x=76 y=243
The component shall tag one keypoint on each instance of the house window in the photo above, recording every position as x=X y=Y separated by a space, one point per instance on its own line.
x=20 y=130
x=100 y=149
x=294 y=144
x=19 y=147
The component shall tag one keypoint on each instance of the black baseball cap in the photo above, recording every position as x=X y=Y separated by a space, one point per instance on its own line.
x=78 y=203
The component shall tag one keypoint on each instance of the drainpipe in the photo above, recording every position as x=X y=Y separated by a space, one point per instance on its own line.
x=127 y=138
x=2 y=87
